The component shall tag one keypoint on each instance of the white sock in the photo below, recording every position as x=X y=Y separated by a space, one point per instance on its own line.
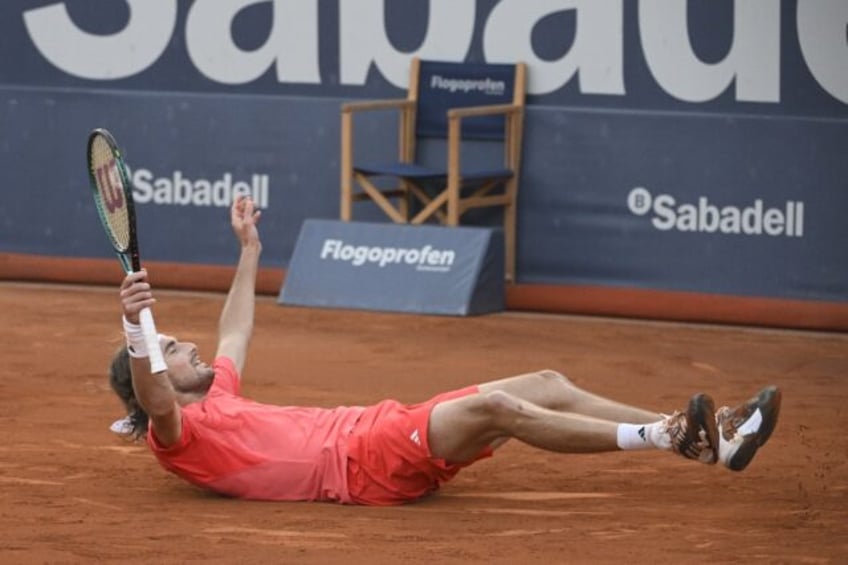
x=642 y=436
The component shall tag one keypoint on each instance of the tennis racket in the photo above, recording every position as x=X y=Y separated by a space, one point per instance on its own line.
x=112 y=190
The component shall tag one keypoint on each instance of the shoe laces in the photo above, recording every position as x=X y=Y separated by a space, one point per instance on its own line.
x=688 y=443
x=735 y=424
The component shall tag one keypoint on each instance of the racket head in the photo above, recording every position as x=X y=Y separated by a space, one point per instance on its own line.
x=112 y=191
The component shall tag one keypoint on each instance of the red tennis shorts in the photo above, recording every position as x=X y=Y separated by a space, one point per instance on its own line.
x=389 y=460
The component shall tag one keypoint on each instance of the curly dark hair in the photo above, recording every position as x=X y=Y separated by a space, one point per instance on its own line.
x=120 y=378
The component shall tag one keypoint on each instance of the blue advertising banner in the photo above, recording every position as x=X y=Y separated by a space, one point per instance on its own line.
x=397 y=268
x=188 y=156
x=741 y=56
x=742 y=205
x=693 y=146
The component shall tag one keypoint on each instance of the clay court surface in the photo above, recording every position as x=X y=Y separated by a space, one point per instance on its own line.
x=72 y=492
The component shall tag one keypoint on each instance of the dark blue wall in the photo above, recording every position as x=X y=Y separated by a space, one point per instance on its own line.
x=664 y=148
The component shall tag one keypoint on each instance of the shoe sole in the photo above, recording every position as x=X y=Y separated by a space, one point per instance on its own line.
x=702 y=410
x=768 y=402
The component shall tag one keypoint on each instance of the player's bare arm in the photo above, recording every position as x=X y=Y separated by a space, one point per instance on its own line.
x=236 y=322
x=153 y=391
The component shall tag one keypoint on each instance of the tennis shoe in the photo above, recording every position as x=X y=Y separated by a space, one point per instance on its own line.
x=693 y=432
x=747 y=427
x=123 y=427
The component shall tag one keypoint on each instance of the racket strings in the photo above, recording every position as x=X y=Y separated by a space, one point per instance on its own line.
x=110 y=195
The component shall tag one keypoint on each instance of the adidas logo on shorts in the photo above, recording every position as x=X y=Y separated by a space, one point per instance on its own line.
x=415 y=437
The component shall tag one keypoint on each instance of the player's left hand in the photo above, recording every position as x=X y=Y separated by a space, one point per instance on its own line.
x=244 y=218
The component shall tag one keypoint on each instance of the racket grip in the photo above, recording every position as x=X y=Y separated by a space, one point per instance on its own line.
x=151 y=338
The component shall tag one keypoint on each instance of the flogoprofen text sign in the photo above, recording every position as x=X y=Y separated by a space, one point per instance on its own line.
x=392 y=267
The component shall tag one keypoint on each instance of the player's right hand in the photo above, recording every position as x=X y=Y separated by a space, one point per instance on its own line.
x=136 y=295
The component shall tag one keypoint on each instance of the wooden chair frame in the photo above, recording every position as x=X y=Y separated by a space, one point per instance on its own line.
x=450 y=203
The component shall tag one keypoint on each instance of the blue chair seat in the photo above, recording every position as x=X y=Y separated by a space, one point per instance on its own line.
x=405 y=170
x=420 y=172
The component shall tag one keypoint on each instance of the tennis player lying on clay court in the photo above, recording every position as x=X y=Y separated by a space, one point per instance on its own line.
x=200 y=428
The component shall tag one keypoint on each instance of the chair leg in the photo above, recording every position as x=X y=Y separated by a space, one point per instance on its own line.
x=404 y=201
x=346 y=166
x=454 y=135
x=346 y=205
x=509 y=241
x=453 y=203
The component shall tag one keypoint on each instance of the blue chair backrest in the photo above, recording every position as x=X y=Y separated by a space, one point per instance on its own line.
x=442 y=86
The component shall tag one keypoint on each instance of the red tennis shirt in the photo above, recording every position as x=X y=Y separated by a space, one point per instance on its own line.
x=241 y=448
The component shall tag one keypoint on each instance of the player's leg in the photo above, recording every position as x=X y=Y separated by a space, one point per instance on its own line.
x=744 y=428
x=540 y=400
x=461 y=428
x=550 y=389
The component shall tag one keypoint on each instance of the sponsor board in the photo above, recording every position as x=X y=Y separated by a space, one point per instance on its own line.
x=396 y=267
x=731 y=117
x=678 y=61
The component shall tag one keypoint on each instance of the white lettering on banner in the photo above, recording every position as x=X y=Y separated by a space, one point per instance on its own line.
x=822 y=30
x=596 y=56
x=706 y=217
x=597 y=51
x=179 y=190
x=424 y=259
x=753 y=60
x=486 y=86
x=363 y=40
x=103 y=57
x=294 y=29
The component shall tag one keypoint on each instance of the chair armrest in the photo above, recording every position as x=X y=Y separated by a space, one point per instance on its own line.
x=472 y=111
x=371 y=105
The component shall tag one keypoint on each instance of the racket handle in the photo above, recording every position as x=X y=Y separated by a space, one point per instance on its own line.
x=151 y=338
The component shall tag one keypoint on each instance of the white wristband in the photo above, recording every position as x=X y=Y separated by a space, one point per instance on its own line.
x=136 y=346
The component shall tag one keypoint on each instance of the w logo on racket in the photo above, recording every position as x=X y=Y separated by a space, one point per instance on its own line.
x=107 y=178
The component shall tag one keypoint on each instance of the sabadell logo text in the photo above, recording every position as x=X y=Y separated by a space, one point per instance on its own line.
x=181 y=190
x=703 y=216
